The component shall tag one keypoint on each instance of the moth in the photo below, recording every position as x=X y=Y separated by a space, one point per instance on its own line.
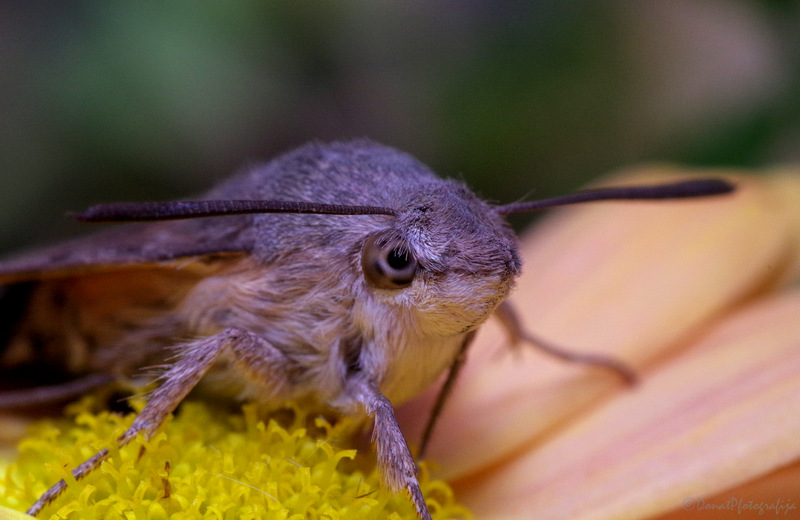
x=347 y=275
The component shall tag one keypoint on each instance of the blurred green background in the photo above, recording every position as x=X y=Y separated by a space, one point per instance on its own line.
x=108 y=100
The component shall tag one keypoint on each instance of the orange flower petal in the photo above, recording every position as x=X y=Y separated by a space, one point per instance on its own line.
x=773 y=495
x=720 y=414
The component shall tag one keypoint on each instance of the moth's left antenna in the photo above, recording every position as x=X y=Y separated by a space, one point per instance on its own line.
x=187 y=209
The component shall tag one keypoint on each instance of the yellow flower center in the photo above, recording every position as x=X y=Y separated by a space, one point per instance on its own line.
x=207 y=463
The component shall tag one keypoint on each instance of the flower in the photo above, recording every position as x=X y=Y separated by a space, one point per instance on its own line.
x=695 y=295
x=207 y=463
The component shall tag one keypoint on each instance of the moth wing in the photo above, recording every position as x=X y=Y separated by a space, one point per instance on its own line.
x=132 y=245
x=99 y=286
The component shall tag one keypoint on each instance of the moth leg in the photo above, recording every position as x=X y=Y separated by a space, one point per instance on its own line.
x=193 y=362
x=445 y=391
x=182 y=375
x=397 y=466
x=42 y=395
x=513 y=326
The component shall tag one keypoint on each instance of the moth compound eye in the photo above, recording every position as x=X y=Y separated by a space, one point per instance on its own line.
x=388 y=264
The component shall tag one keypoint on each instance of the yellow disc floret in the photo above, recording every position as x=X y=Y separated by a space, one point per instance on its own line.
x=207 y=464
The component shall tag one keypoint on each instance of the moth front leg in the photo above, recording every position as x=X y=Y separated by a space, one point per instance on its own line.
x=395 y=461
x=192 y=363
x=513 y=325
x=445 y=392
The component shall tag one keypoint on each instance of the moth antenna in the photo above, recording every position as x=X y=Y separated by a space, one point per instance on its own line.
x=675 y=190
x=186 y=209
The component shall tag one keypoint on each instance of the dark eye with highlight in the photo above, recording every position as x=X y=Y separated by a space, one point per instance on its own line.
x=388 y=264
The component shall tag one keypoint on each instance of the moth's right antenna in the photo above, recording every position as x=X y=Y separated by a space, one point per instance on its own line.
x=673 y=190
